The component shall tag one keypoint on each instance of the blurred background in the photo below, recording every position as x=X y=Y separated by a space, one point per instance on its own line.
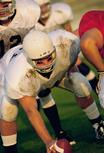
x=81 y=6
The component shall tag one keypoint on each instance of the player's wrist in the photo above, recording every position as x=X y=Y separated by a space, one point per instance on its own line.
x=51 y=143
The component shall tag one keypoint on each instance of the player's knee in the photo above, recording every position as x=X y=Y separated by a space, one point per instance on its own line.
x=47 y=101
x=9 y=110
x=81 y=85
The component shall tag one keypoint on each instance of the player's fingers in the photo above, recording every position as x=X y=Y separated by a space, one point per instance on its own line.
x=52 y=150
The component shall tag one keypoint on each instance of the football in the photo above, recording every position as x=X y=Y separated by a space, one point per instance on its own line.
x=64 y=146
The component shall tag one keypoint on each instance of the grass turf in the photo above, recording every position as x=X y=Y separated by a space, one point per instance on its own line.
x=73 y=120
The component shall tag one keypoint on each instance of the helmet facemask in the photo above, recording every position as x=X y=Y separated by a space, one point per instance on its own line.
x=7 y=10
x=43 y=67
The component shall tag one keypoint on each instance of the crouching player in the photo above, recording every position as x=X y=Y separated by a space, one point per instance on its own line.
x=43 y=62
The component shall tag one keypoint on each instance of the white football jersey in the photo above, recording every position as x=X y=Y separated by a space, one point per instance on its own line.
x=22 y=79
x=60 y=14
x=27 y=14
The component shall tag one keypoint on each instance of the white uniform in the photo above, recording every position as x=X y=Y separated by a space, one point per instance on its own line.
x=21 y=79
x=100 y=88
x=60 y=14
x=27 y=14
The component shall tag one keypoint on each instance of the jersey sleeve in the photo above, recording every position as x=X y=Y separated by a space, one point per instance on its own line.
x=11 y=92
x=17 y=83
x=63 y=12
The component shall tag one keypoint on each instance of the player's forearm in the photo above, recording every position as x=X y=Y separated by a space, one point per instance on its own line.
x=38 y=124
x=91 y=52
x=29 y=106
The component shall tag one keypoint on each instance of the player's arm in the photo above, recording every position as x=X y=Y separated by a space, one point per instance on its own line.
x=29 y=105
x=91 y=42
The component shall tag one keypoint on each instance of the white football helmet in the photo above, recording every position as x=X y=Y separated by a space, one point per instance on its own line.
x=38 y=45
x=7 y=9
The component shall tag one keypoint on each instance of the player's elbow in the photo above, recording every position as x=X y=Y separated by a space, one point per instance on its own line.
x=85 y=43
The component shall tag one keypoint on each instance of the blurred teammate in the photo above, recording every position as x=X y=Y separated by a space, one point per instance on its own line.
x=15 y=22
x=54 y=16
x=91 y=31
x=39 y=66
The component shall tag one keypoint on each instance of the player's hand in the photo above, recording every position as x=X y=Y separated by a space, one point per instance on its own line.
x=52 y=147
x=59 y=146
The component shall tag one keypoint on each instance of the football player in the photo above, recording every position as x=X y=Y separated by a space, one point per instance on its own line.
x=39 y=66
x=54 y=16
x=60 y=15
x=91 y=31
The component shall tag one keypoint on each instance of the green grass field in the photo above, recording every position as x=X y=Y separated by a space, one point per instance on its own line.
x=73 y=120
